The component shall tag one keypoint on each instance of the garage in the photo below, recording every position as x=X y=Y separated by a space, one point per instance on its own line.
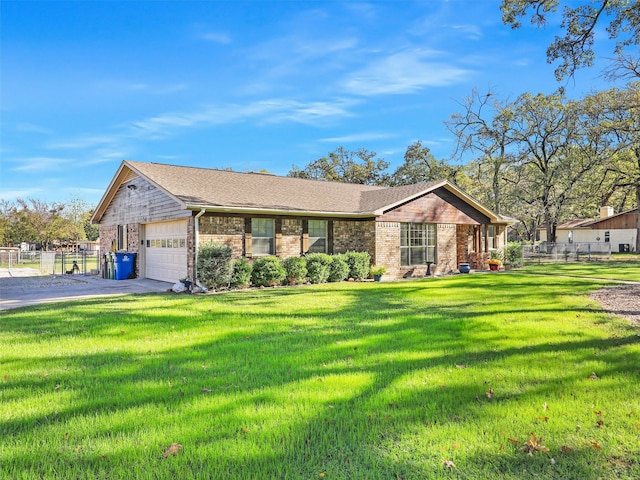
x=166 y=251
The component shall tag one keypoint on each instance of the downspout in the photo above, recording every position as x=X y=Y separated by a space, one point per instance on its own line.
x=197 y=244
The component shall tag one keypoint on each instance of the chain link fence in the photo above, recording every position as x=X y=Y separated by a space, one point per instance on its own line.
x=86 y=262
x=566 y=252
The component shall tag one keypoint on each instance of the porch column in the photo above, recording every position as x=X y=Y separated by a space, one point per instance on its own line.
x=486 y=237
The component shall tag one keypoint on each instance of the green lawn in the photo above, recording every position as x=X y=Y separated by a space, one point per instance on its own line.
x=341 y=381
x=620 y=268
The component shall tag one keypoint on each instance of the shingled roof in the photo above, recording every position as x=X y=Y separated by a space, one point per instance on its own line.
x=221 y=190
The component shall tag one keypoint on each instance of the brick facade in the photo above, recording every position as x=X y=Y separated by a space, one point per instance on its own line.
x=447 y=261
x=224 y=230
x=387 y=252
x=109 y=239
x=357 y=236
x=291 y=240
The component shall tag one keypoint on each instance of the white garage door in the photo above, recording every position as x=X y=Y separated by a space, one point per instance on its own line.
x=166 y=251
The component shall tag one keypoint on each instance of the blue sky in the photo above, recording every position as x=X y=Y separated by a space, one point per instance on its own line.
x=248 y=85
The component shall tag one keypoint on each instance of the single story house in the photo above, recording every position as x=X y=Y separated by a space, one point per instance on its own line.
x=619 y=230
x=164 y=212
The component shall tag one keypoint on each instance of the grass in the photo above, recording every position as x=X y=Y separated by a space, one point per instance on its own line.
x=622 y=267
x=445 y=378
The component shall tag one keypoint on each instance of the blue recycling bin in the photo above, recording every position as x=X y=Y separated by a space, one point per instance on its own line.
x=123 y=265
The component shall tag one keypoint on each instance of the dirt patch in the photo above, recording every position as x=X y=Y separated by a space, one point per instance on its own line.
x=622 y=300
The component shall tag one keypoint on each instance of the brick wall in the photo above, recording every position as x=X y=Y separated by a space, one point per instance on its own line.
x=387 y=252
x=109 y=240
x=224 y=230
x=447 y=260
x=291 y=240
x=356 y=236
x=464 y=241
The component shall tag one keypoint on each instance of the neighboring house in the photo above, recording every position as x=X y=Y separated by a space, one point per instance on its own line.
x=164 y=212
x=619 y=230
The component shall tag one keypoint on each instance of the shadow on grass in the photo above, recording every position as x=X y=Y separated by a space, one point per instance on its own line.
x=346 y=385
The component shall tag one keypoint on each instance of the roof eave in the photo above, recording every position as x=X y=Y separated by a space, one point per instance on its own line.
x=278 y=211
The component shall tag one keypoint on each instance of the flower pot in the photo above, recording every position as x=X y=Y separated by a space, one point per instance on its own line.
x=464 y=268
x=494 y=267
x=376 y=278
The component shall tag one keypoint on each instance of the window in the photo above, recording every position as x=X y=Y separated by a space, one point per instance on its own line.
x=262 y=236
x=607 y=236
x=491 y=234
x=417 y=243
x=121 y=243
x=317 y=236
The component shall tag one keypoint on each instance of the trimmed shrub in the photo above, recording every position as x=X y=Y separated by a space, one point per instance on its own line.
x=241 y=276
x=359 y=264
x=513 y=254
x=214 y=265
x=318 y=265
x=338 y=270
x=267 y=272
x=296 y=268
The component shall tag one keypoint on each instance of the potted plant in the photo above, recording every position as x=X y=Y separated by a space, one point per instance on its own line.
x=377 y=272
x=494 y=264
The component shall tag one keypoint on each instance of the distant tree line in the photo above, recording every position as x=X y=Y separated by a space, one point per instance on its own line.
x=539 y=158
x=47 y=224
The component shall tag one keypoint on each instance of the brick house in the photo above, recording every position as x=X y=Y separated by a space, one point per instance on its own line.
x=163 y=212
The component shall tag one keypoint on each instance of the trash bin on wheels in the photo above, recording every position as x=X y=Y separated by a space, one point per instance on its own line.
x=123 y=265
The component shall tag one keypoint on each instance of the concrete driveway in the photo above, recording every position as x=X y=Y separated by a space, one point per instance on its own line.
x=18 y=290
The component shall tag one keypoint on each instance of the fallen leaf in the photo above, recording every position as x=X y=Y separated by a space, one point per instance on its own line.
x=461 y=366
x=57 y=386
x=545 y=407
x=172 y=449
x=600 y=423
x=593 y=376
x=566 y=449
x=6 y=378
x=598 y=412
x=490 y=393
x=595 y=445
x=206 y=390
x=514 y=440
x=448 y=463
x=553 y=462
x=534 y=445
x=78 y=448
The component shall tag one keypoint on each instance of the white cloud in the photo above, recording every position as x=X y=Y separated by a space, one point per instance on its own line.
x=80 y=143
x=32 y=128
x=472 y=32
x=358 y=137
x=267 y=111
x=404 y=72
x=216 y=37
x=19 y=193
x=40 y=164
x=118 y=87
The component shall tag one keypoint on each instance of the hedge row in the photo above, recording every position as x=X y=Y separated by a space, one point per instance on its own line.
x=216 y=269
